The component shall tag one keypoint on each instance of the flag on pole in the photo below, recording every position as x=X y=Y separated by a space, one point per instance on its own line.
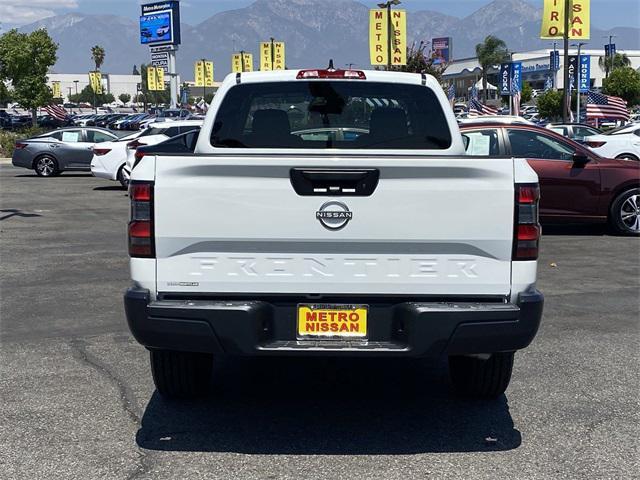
x=56 y=111
x=477 y=109
x=451 y=94
x=600 y=105
x=548 y=84
x=474 y=92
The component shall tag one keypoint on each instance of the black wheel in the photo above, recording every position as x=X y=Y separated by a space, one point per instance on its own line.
x=627 y=156
x=123 y=178
x=624 y=216
x=46 y=166
x=181 y=374
x=481 y=377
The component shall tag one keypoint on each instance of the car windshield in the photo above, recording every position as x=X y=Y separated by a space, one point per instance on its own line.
x=330 y=114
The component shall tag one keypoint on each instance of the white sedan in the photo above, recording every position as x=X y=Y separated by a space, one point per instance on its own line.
x=109 y=159
x=156 y=133
x=622 y=142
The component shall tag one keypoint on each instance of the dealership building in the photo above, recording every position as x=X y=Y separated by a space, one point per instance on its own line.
x=536 y=69
x=71 y=83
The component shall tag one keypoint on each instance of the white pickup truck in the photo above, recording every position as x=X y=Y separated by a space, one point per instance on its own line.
x=332 y=212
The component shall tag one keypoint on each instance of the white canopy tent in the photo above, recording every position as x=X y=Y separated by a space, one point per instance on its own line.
x=480 y=88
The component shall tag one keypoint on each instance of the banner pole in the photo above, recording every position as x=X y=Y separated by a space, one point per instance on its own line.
x=566 y=97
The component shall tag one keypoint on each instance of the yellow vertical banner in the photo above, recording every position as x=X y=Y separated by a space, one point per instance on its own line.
x=378 y=36
x=159 y=78
x=278 y=56
x=236 y=63
x=248 y=62
x=99 y=83
x=208 y=74
x=55 y=88
x=399 y=32
x=151 y=79
x=580 y=20
x=199 y=74
x=265 y=56
x=552 y=19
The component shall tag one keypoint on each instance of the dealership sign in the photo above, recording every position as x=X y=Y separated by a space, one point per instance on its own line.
x=161 y=60
x=160 y=23
x=505 y=79
x=441 y=50
x=584 y=74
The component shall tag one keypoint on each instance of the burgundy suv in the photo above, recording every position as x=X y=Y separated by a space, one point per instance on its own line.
x=576 y=184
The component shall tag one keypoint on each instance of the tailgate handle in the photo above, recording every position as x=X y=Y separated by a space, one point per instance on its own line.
x=359 y=182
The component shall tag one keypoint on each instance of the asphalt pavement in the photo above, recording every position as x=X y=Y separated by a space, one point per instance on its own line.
x=77 y=400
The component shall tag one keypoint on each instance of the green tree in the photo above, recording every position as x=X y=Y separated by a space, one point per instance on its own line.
x=492 y=51
x=550 y=104
x=135 y=71
x=124 y=97
x=624 y=83
x=24 y=61
x=619 y=60
x=419 y=62
x=527 y=92
x=5 y=94
x=87 y=96
x=97 y=55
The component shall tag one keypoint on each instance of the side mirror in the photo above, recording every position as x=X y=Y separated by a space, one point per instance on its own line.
x=580 y=159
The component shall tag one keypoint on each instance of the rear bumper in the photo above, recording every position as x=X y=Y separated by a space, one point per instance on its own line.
x=259 y=327
x=22 y=158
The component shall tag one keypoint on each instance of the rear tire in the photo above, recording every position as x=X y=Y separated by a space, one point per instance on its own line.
x=181 y=374
x=627 y=156
x=478 y=378
x=46 y=166
x=123 y=178
x=624 y=216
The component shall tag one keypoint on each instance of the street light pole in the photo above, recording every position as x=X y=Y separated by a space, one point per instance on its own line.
x=566 y=97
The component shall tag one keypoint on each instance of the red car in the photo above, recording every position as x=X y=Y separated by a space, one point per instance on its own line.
x=576 y=184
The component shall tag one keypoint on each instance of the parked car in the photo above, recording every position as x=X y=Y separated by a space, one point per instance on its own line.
x=85 y=120
x=59 y=150
x=47 y=121
x=575 y=131
x=393 y=243
x=172 y=114
x=105 y=120
x=5 y=120
x=109 y=159
x=576 y=184
x=622 y=142
x=157 y=133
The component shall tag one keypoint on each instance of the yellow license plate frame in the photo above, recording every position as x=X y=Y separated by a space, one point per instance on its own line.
x=332 y=321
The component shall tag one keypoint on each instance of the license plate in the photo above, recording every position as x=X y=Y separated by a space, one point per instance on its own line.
x=332 y=321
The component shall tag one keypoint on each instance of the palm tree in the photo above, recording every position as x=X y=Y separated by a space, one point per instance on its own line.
x=608 y=64
x=492 y=51
x=97 y=54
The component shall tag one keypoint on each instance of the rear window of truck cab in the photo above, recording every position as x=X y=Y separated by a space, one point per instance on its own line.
x=330 y=114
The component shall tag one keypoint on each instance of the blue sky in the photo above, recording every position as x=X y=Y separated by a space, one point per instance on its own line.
x=605 y=13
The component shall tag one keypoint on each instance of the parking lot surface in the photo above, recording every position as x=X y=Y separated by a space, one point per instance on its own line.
x=77 y=400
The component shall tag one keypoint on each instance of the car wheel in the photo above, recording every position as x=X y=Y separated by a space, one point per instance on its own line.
x=627 y=156
x=181 y=374
x=479 y=377
x=624 y=216
x=123 y=177
x=46 y=166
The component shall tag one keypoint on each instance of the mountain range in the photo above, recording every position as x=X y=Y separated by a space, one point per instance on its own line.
x=314 y=31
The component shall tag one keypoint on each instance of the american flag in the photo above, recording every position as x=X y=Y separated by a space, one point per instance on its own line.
x=477 y=109
x=56 y=111
x=600 y=105
x=516 y=97
x=451 y=94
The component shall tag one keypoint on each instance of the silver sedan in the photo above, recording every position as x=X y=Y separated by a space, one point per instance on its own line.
x=60 y=150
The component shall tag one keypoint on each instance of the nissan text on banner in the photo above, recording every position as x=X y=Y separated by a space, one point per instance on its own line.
x=159 y=78
x=553 y=19
x=208 y=74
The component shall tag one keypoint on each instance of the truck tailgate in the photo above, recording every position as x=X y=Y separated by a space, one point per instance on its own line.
x=432 y=226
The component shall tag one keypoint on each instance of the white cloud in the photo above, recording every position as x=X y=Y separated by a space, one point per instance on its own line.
x=20 y=12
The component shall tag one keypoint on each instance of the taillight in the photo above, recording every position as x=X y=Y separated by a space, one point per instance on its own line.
x=101 y=151
x=135 y=144
x=594 y=144
x=141 y=241
x=20 y=145
x=526 y=237
x=353 y=74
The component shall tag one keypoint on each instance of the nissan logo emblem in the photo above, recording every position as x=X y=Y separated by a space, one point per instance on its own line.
x=334 y=215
